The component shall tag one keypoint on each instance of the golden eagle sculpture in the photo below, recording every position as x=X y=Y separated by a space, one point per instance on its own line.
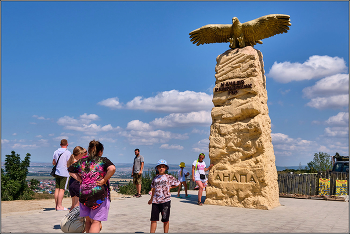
x=240 y=35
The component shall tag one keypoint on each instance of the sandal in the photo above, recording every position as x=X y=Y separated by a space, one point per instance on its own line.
x=200 y=203
x=139 y=195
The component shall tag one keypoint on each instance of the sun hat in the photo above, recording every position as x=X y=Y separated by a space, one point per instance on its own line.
x=162 y=161
x=182 y=164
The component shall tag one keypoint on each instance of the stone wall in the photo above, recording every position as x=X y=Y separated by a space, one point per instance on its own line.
x=244 y=172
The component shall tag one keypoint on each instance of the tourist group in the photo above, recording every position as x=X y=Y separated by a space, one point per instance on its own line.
x=86 y=173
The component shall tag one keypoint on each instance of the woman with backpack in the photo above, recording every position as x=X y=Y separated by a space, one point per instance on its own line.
x=93 y=172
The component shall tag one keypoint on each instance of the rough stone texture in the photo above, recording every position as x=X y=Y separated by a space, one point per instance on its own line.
x=244 y=172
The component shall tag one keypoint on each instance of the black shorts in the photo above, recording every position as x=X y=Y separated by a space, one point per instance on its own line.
x=163 y=208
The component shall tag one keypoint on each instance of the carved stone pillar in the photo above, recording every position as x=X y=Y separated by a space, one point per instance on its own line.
x=244 y=172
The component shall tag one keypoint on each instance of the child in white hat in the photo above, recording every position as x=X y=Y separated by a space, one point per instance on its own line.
x=160 y=198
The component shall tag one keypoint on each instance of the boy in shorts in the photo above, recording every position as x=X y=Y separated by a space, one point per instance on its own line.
x=160 y=198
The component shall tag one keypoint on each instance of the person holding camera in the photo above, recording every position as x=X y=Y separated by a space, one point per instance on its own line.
x=198 y=175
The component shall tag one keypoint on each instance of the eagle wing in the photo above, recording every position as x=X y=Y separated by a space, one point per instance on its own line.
x=211 y=33
x=265 y=26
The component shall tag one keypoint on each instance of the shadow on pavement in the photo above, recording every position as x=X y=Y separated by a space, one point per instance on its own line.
x=192 y=199
x=48 y=209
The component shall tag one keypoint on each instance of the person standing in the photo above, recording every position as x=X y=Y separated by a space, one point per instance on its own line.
x=182 y=173
x=136 y=173
x=74 y=185
x=61 y=157
x=161 y=197
x=93 y=173
x=198 y=175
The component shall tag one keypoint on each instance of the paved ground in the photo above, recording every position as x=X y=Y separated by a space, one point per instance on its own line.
x=131 y=215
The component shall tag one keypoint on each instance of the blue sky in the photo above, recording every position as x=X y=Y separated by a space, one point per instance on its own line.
x=126 y=73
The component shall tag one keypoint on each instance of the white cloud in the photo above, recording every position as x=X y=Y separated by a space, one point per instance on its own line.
x=40 y=117
x=89 y=117
x=138 y=125
x=112 y=103
x=178 y=119
x=22 y=146
x=285 y=91
x=341 y=119
x=83 y=124
x=337 y=132
x=329 y=86
x=166 y=146
x=201 y=146
x=84 y=119
x=333 y=102
x=59 y=138
x=137 y=137
x=91 y=129
x=14 y=134
x=4 y=141
x=39 y=136
x=315 y=67
x=66 y=120
x=329 y=93
x=197 y=131
x=323 y=148
x=282 y=142
x=173 y=101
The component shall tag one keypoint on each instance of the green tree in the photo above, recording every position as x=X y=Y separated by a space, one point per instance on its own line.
x=321 y=162
x=34 y=184
x=13 y=179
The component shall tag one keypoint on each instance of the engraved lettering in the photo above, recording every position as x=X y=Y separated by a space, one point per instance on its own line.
x=234 y=178
x=218 y=177
x=226 y=176
x=243 y=179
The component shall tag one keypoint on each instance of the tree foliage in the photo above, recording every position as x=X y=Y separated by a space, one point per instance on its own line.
x=13 y=179
x=321 y=162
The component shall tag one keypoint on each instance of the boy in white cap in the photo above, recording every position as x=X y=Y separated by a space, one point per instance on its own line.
x=160 y=198
x=182 y=174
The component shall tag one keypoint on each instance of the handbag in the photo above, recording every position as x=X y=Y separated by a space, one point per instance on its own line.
x=54 y=167
x=201 y=176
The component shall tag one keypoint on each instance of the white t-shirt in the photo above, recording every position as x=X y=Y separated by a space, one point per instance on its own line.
x=200 y=170
x=182 y=178
x=61 y=168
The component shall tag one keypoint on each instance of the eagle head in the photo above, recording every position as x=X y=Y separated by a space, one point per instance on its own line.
x=235 y=20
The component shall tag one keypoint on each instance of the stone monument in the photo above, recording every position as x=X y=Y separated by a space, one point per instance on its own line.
x=244 y=172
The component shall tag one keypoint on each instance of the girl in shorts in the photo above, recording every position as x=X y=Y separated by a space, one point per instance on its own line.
x=160 y=198
x=74 y=185
x=182 y=173
x=198 y=175
x=93 y=172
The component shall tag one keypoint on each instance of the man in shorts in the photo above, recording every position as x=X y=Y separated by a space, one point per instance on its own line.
x=61 y=155
x=136 y=173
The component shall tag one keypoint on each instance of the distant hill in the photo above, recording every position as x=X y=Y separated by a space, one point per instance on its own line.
x=148 y=166
x=279 y=168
